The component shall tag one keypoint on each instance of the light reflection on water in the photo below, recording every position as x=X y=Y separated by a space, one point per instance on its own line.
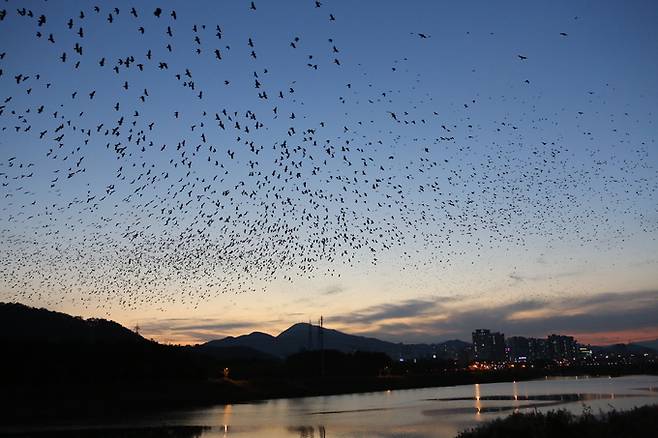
x=418 y=413
x=478 y=404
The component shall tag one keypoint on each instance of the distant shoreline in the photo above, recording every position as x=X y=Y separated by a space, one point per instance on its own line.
x=363 y=385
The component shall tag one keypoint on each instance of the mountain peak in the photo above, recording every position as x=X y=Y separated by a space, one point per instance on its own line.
x=300 y=327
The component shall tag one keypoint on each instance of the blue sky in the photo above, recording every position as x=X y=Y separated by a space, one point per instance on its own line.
x=460 y=177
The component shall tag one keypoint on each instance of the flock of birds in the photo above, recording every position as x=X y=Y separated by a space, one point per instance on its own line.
x=143 y=171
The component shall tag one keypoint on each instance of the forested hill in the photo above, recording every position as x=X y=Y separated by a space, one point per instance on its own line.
x=47 y=346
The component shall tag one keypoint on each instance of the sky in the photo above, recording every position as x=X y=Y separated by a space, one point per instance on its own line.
x=408 y=170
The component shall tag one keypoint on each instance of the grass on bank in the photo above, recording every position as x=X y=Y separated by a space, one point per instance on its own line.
x=639 y=422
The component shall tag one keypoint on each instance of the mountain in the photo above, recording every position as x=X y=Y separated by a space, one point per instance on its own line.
x=626 y=349
x=649 y=344
x=39 y=345
x=304 y=336
x=297 y=338
x=20 y=323
x=256 y=341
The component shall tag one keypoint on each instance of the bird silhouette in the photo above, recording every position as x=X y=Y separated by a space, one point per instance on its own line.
x=299 y=156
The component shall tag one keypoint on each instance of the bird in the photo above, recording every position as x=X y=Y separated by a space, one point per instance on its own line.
x=235 y=193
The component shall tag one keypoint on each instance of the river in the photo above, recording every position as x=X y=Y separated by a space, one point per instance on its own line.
x=415 y=413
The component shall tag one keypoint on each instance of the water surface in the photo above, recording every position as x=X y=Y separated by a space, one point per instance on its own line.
x=413 y=413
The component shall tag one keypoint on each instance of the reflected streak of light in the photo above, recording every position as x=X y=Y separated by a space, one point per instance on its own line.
x=226 y=420
x=478 y=404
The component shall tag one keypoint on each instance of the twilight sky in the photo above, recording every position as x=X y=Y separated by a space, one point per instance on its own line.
x=409 y=170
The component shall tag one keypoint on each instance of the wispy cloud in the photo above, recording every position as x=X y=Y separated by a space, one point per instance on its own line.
x=382 y=312
x=516 y=276
x=429 y=321
x=333 y=290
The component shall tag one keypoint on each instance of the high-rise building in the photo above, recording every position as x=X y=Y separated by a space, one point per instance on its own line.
x=517 y=349
x=562 y=347
x=481 y=345
x=488 y=346
x=538 y=349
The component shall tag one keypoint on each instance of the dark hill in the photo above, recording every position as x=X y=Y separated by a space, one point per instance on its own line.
x=55 y=366
x=20 y=323
x=257 y=341
x=626 y=349
x=39 y=345
x=649 y=344
x=297 y=337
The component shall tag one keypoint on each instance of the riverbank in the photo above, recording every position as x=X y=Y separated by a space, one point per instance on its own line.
x=636 y=423
x=52 y=403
